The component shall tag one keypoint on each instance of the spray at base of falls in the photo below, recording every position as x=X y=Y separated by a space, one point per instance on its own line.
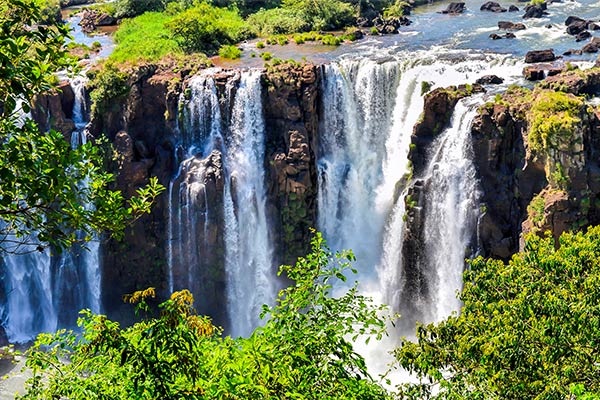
x=45 y=291
x=239 y=201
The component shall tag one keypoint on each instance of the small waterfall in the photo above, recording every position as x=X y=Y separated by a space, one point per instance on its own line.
x=219 y=194
x=44 y=291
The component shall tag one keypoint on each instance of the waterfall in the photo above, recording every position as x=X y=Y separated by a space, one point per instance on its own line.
x=43 y=290
x=369 y=109
x=223 y=136
x=451 y=208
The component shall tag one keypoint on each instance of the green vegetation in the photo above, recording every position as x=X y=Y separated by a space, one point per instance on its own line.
x=266 y=56
x=42 y=202
x=554 y=116
x=535 y=209
x=302 y=352
x=397 y=9
x=204 y=28
x=230 y=52
x=527 y=330
x=144 y=38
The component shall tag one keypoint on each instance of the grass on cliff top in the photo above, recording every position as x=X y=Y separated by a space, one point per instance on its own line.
x=144 y=38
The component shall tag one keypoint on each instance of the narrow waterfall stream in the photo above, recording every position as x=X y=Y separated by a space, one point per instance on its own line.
x=233 y=149
x=43 y=290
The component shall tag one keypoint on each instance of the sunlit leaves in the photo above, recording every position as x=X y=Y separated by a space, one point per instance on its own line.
x=527 y=330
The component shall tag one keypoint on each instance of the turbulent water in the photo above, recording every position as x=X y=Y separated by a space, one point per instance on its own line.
x=237 y=140
x=42 y=290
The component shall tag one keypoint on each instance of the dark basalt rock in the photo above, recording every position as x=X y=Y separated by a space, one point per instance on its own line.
x=513 y=8
x=535 y=11
x=454 y=8
x=573 y=52
x=592 y=46
x=489 y=80
x=492 y=6
x=582 y=36
x=386 y=26
x=509 y=35
x=536 y=56
x=511 y=26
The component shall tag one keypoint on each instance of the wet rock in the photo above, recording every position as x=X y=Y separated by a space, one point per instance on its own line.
x=576 y=27
x=534 y=73
x=508 y=35
x=582 y=36
x=489 y=80
x=91 y=19
x=511 y=26
x=513 y=8
x=535 y=11
x=454 y=8
x=492 y=6
x=576 y=82
x=536 y=56
x=592 y=46
x=573 y=52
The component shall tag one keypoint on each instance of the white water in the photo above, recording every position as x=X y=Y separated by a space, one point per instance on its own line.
x=369 y=110
x=451 y=210
x=248 y=258
x=42 y=290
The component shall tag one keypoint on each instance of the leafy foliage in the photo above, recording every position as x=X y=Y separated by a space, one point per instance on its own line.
x=527 y=330
x=554 y=116
x=302 y=352
x=204 y=28
x=42 y=201
x=144 y=38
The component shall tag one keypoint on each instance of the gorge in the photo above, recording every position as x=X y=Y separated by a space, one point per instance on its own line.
x=395 y=153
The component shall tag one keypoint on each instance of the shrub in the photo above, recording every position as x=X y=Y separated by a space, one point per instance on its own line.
x=266 y=56
x=322 y=14
x=230 y=52
x=133 y=8
x=144 y=38
x=397 y=9
x=331 y=40
x=302 y=352
x=205 y=28
x=108 y=84
x=553 y=117
x=277 y=21
x=260 y=45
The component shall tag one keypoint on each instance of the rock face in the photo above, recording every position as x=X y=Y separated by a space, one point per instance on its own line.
x=54 y=110
x=527 y=190
x=489 y=80
x=292 y=123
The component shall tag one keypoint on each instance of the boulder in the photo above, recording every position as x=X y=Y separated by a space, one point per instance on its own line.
x=513 y=8
x=511 y=26
x=495 y=36
x=592 y=46
x=534 y=73
x=536 y=56
x=573 y=52
x=582 y=36
x=492 y=6
x=489 y=80
x=535 y=11
x=454 y=8
x=576 y=27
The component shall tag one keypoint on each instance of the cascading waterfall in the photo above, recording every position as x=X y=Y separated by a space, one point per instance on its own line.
x=240 y=209
x=369 y=110
x=451 y=209
x=44 y=291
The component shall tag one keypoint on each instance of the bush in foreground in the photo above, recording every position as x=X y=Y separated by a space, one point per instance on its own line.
x=302 y=352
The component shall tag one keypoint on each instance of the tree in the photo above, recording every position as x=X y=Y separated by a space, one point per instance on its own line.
x=527 y=330
x=302 y=352
x=42 y=200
